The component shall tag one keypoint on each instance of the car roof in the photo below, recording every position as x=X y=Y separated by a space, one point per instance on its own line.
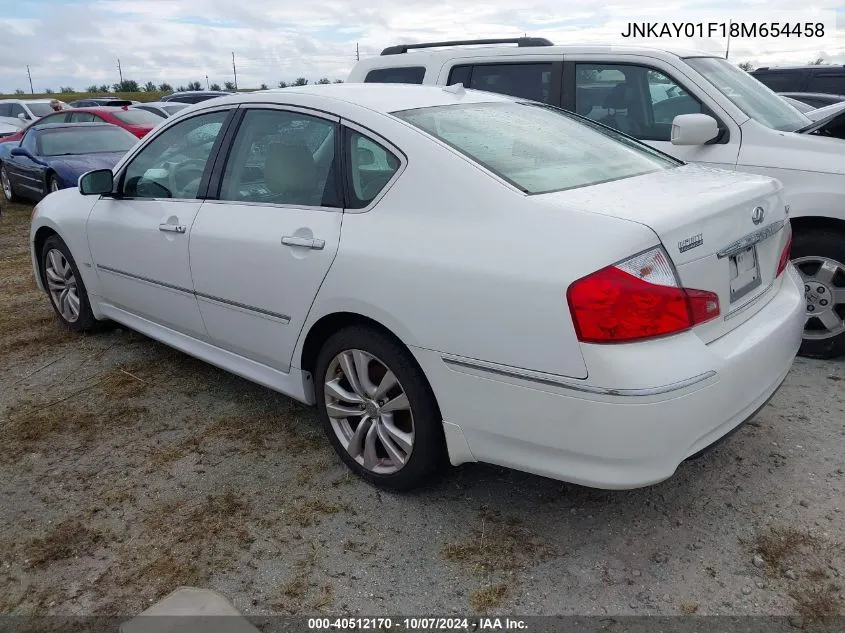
x=383 y=98
x=25 y=100
x=423 y=56
x=812 y=94
x=43 y=127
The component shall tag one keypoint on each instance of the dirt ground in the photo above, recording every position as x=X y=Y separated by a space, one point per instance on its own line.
x=128 y=469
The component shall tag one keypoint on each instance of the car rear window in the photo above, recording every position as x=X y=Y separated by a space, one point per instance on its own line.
x=137 y=117
x=406 y=75
x=537 y=148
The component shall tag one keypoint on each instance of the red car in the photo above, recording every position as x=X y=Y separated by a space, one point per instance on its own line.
x=139 y=122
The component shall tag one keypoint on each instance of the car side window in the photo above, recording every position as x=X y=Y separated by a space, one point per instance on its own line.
x=639 y=101
x=527 y=81
x=5 y=109
x=371 y=166
x=282 y=157
x=407 y=75
x=831 y=83
x=29 y=142
x=172 y=164
x=55 y=118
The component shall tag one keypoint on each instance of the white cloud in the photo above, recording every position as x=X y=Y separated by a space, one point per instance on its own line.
x=184 y=40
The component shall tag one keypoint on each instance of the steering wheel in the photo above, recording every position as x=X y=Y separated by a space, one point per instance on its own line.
x=184 y=176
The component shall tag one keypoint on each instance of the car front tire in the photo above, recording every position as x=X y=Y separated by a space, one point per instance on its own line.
x=378 y=410
x=819 y=257
x=6 y=186
x=65 y=287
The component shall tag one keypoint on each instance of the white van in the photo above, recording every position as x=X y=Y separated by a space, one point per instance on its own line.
x=696 y=107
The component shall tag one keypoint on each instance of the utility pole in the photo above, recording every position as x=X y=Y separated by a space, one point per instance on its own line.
x=29 y=74
x=120 y=72
x=357 y=54
x=207 y=86
x=234 y=70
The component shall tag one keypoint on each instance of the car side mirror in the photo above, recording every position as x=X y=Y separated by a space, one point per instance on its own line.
x=99 y=182
x=20 y=151
x=694 y=129
x=23 y=116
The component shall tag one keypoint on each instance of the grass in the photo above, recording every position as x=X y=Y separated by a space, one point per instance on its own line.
x=485 y=598
x=781 y=546
x=310 y=511
x=688 y=607
x=818 y=602
x=497 y=544
x=67 y=539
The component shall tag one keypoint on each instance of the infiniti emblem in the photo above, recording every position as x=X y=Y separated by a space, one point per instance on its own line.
x=758 y=214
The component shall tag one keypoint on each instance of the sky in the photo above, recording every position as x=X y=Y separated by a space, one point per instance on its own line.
x=77 y=43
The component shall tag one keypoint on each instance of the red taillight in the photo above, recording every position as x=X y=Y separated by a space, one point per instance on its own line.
x=637 y=299
x=784 y=255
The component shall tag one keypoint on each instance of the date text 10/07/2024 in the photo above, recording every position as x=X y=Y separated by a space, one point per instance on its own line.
x=417 y=624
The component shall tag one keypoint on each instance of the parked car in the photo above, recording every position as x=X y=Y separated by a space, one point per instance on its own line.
x=7 y=129
x=802 y=107
x=826 y=113
x=20 y=111
x=513 y=283
x=813 y=99
x=719 y=116
x=54 y=156
x=194 y=96
x=822 y=78
x=163 y=108
x=138 y=122
x=100 y=101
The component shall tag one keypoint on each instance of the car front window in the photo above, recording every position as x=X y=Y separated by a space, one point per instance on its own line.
x=537 y=148
x=137 y=117
x=749 y=95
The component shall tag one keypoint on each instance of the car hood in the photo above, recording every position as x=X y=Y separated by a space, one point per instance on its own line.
x=809 y=150
x=81 y=163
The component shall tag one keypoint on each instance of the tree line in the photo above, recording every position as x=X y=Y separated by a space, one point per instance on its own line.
x=130 y=85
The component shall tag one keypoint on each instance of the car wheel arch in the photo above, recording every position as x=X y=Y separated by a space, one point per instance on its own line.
x=814 y=222
x=42 y=234
x=327 y=325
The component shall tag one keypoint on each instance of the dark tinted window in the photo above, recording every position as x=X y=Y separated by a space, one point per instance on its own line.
x=781 y=81
x=137 y=117
x=528 y=81
x=17 y=109
x=409 y=75
x=830 y=83
x=460 y=75
x=5 y=109
x=371 y=166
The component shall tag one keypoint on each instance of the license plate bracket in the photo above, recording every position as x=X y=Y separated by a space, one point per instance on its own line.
x=744 y=272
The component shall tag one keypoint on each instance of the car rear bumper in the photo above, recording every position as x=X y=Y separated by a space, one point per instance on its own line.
x=630 y=435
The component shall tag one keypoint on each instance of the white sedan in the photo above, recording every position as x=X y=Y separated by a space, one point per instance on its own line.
x=448 y=274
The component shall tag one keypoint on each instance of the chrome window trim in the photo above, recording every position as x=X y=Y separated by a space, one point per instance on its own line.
x=379 y=140
x=558 y=381
x=271 y=204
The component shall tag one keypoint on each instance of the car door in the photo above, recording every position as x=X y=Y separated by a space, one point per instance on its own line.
x=139 y=236
x=25 y=174
x=641 y=100
x=261 y=249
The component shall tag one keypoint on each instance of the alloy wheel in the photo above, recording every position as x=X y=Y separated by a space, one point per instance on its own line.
x=369 y=411
x=6 y=184
x=61 y=284
x=824 y=291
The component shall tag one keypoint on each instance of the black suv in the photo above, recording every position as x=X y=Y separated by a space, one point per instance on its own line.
x=826 y=79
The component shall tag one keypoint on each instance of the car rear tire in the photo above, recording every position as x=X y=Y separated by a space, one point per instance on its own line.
x=52 y=184
x=64 y=286
x=819 y=257
x=6 y=185
x=378 y=410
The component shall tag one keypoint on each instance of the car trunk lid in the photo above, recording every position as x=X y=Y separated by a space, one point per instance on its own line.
x=722 y=230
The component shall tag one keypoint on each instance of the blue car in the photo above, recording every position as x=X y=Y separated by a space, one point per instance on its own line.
x=53 y=156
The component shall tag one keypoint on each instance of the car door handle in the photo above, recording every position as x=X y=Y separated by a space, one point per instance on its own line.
x=307 y=242
x=172 y=228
